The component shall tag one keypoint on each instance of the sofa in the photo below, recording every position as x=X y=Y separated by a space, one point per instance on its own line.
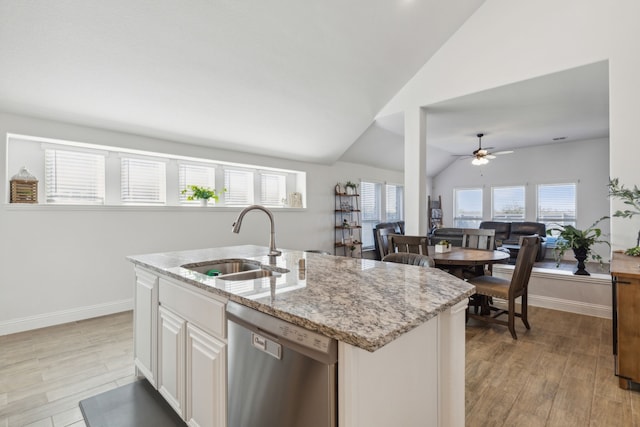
x=508 y=235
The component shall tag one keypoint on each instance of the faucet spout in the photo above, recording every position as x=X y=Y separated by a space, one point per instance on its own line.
x=273 y=252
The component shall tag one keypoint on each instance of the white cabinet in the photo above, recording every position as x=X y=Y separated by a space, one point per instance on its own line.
x=171 y=372
x=192 y=354
x=146 y=324
x=206 y=379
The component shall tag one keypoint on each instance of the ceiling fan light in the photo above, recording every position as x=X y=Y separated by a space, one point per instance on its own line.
x=477 y=161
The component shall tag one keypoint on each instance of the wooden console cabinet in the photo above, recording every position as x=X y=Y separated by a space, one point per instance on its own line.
x=625 y=273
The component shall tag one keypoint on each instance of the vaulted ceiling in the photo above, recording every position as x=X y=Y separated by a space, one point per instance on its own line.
x=293 y=79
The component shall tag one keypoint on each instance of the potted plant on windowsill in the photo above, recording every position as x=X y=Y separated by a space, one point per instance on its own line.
x=201 y=193
x=580 y=241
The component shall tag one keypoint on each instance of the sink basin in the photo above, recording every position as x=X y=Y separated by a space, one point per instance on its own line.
x=249 y=275
x=224 y=266
x=235 y=269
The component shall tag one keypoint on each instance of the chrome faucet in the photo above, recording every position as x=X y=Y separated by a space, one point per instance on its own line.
x=273 y=252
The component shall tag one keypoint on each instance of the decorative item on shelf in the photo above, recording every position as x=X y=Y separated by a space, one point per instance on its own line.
x=339 y=189
x=580 y=241
x=24 y=187
x=295 y=200
x=202 y=193
x=345 y=223
x=351 y=188
x=443 y=246
x=630 y=197
x=346 y=206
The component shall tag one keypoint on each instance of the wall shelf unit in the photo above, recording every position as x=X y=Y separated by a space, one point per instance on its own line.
x=348 y=228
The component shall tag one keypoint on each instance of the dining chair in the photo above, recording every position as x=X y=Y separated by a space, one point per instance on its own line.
x=412 y=244
x=489 y=287
x=410 y=259
x=382 y=240
x=474 y=238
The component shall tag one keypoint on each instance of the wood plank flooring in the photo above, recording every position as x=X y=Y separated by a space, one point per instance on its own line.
x=45 y=373
x=560 y=373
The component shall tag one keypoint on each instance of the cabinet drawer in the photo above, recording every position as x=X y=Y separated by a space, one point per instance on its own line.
x=206 y=312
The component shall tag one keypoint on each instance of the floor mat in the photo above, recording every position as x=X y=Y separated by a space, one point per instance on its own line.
x=133 y=405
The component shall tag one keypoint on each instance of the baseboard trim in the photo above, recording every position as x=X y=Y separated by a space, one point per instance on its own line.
x=595 y=310
x=65 y=316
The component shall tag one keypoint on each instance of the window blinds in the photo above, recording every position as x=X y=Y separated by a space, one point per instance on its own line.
x=239 y=185
x=202 y=176
x=273 y=189
x=508 y=203
x=142 y=181
x=74 y=177
x=557 y=203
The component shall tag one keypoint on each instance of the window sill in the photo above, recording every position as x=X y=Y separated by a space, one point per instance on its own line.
x=132 y=208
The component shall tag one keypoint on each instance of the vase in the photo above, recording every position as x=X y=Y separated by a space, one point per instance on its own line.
x=204 y=202
x=581 y=256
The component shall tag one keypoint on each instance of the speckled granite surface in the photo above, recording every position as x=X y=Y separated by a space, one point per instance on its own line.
x=364 y=303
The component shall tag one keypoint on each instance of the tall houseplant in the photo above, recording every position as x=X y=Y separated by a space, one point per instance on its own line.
x=631 y=198
x=580 y=241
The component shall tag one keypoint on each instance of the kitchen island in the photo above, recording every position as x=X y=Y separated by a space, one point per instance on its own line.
x=400 y=331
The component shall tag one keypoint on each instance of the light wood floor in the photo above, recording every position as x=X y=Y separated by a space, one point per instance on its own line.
x=46 y=372
x=558 y=374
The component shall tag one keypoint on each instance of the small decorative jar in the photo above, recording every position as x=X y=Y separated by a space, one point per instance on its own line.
x=23 y=187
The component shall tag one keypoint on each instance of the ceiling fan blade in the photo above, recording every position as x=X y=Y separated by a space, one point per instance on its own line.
x=497 y=153
x=490 y=156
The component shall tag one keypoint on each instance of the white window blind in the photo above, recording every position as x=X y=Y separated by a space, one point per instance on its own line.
x=468 y=207
x=73 y=177
x=557 y=204
x=142 y=180
x=239 y=185
x=202 y=176
x=508 y=203
x=273 y=189
x=371 y=207
x=394 y=202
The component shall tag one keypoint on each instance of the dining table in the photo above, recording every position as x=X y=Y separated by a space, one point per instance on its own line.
x=457 y=259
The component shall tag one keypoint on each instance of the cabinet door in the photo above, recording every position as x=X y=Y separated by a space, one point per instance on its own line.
x=171 y=367
x=146 y=324
x=628 y=312
x=206 y=379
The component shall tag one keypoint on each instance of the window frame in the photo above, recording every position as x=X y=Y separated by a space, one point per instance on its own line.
x=506 y=218
x=469 y=221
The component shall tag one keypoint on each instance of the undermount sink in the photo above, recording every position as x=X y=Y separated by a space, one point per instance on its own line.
x=224 y=266
x=235 y=269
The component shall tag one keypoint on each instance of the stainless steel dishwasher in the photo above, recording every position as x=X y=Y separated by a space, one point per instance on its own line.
x=279 y=374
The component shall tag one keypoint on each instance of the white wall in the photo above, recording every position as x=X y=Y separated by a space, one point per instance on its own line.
x=507 y=41
x=65 y=263
x=583 y=162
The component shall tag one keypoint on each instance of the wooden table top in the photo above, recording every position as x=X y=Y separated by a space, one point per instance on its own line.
x=466 y=256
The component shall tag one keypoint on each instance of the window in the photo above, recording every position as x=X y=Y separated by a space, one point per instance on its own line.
x=557 y=204
x=202 y=176
x=273 y=189
x=468 y=207
x=370 y=199
x=74 y=177
x=239 y=185
x=142 y=181
x=394 y=202
x=82 y=173
x=508 y=203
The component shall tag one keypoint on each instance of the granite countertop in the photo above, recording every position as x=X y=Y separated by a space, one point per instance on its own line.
x=361 y=302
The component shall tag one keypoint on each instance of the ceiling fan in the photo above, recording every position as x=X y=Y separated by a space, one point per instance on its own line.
x=481 y=156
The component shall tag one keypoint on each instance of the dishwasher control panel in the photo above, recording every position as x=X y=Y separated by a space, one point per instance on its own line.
x=303 y=337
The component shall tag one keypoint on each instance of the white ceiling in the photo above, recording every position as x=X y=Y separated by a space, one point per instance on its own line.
x=292 y=79
x=572 y=103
